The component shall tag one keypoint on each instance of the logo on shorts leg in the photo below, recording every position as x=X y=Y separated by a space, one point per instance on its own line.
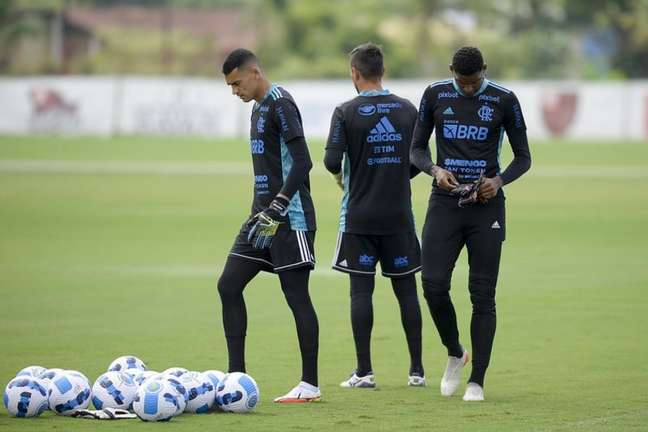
x=495 y=225
x=400 y=262
x=366 y=260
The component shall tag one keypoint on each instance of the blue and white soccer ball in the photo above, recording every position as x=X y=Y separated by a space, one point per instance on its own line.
x=125 y=363
x=25 y=396
x=114 y=390
x=49 y=374
x=34 y=371
x=140 y=376
x=238 y=392
x=175 y=371
x=216 y=377
x=201 y=392
x=67 y=393
x=155 y=401
x=181 y=392
x=78 y=374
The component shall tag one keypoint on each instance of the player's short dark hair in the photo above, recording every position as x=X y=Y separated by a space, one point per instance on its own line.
x=368 y=60
x=237 y=58
x=467 y=60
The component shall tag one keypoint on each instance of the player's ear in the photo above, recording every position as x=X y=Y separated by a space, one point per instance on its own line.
x=484 y=67
x=451 y=68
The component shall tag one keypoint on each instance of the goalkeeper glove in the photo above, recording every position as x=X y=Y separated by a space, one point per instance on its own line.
x=468 y=192
x=264 y=225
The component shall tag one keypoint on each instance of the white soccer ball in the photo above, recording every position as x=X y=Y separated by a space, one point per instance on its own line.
x=34 y=371
x=155 y=401
x=175 y=371
x=216 y=377
x=201 y=392
x=114 y=390
x=140 y=376
x=125 y=363
x=67 y=393
x=25 y=396
x=181 y=392
x=79 y=374
x=238 y=392
x=49 y=374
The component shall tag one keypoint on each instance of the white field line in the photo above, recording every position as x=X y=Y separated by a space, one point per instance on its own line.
x=94 y=167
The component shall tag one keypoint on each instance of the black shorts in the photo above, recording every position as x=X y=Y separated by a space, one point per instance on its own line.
x=399 y=254
x=289 y=250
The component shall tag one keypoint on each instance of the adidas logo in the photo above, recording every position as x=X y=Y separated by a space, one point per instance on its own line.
x=383 y=132
x=448 y=111
x=343 y=263
x=495 y=225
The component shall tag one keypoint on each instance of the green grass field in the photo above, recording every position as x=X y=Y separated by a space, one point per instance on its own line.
x=113 y=246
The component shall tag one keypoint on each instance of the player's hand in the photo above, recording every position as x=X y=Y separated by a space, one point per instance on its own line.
x=264 y=225
x=489 y=188
x=339 y=180
x=444 y=178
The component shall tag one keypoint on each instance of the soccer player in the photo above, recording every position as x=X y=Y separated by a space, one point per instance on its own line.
x=470 y=114
x=278 y=236
x=368 y=152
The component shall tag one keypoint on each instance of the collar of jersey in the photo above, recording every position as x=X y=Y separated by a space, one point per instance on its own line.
x=258 y=104
x=480 y=91
x=371 y=93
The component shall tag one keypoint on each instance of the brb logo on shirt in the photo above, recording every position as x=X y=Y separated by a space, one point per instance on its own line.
x=257 y=146
x=460 y=131
x=384 y=132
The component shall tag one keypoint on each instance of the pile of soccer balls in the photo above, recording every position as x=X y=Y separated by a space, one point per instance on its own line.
x=152 y=396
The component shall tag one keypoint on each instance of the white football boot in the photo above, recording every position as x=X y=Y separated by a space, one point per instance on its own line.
x=474 y=393
x=354 y=381
x=302 y=393
x=416 y=381
x=452 y=375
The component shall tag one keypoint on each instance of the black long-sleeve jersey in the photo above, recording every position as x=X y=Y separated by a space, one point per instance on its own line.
x=470 y=131
x=373 y=132
x=280 y=158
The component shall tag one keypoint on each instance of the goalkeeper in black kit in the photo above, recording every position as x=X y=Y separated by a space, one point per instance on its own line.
x=470 y=115
x=278 y=235
x=368 y=151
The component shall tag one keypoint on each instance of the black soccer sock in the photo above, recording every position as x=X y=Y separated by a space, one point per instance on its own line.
x=410 y=311
x=294 y=284
x=437 y=295
x=482 y=324
x=236 y=275
x=362 y=288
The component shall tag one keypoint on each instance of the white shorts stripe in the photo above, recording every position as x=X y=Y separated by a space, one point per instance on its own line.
x=301 y=245
x=338 y=243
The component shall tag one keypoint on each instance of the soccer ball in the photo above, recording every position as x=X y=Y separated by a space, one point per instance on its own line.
x=215 y=376
x=181 y=392
x=175 y=371
x=238 y=392
x=140 y=376
x=25 y=396
x=34 y=371
x=155 y=401
x=201 y=392
x=49 y=374
x=67 y=393
x=125 y=363
x=79 y=375
x=114 y=390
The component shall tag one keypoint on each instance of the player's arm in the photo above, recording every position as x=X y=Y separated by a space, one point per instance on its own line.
x=420 y=155
x=516 y=132
x=336 y=145
x=414 y=170
x=289 y=123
